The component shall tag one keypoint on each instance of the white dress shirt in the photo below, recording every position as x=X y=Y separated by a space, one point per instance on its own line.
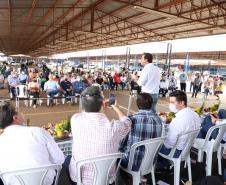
x=24 y=147
x=186 y=120
x=94 y=135
x=149 y=79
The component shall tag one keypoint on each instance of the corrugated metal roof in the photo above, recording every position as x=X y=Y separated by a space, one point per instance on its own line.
x=44 y=27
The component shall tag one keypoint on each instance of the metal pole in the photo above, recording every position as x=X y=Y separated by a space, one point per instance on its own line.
x=169 y=58
x=129 y=104
x=87 y=62
x=127 y=57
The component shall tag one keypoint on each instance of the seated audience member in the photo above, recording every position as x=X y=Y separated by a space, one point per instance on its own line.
x=163 y=89
x=123 y=80
x=23 y=78
x=78 y=85
x=66 y=87
x=145 y=125
x=34 y=90
x=51 y=87
x=25 y=147
x=186 y=120
x=210 y=121
x=172 y=86
x=13 y=83
x=94 y=135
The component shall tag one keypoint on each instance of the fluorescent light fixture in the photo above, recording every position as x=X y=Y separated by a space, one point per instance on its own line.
x=148 y=10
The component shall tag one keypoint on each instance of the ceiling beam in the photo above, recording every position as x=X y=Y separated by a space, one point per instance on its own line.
x=171 y=3
x=43 y=19
x=10 y=16
x=28 y=19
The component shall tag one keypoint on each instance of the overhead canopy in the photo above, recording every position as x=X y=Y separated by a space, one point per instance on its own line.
x=45 y=27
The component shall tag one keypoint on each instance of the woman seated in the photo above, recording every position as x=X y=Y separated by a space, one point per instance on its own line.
x=34 y=90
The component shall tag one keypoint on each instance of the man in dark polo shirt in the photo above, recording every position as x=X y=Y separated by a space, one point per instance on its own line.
x=66 y=87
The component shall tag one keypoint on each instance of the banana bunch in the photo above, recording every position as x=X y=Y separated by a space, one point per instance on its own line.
x=215 y=107
x=169 y=117
x=199 y=110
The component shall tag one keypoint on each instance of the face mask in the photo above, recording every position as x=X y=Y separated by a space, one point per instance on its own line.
x=173 y=108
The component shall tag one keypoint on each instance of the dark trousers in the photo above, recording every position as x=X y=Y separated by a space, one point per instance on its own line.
x=66 y=167
x=195 y=90
x=13 y=91
x=34 y=95
x=164 y=162
x=183 y=87
x=163 y=92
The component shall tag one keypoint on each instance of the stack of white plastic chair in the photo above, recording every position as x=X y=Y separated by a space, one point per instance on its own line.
x=102 y=165
x=184 y=156
x=147 y=166
x=34 y=175
x=209 y=146
x=21 y=93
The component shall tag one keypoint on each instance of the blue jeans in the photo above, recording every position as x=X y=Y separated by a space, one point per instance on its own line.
x=164 y=162
x=225 y=175
x=154 y=101
x=207 y=123
x=66 y=167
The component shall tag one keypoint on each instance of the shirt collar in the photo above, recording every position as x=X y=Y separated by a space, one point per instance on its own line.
x=145 y=111
x=181 y=111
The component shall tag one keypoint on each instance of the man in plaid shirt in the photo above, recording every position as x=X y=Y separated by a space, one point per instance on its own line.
x=94 y=135
x=145 y=125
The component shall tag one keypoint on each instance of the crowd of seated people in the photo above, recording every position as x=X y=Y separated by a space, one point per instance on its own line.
x=94 y=135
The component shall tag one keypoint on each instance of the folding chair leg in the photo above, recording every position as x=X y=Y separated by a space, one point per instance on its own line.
x=177 y=172
x=200 y=156
x=219 y=156
x=189 y=168
x=208 y=163
x=136 y=179
x=153 y=176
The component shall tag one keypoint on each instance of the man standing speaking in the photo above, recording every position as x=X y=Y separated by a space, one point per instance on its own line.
x=149 y=79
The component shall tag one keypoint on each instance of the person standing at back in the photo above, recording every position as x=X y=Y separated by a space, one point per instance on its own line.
x=183 y=78
x=149 y=79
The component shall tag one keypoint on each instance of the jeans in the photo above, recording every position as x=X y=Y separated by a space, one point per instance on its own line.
x=52 y=94
x=207 y=123
x=154 y=101
x=195 y=90
x=66 y=167
x=225 y=175
x=183 y=87
x=164 y=162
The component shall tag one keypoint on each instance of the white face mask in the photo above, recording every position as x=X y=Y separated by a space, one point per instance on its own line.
x=173 y=108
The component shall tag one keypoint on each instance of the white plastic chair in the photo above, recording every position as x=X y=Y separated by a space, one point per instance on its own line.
x=21 y=93
x=66 y=147
x=220 y=151
x=147 y=166
x=184 y=156
x=209 y=146
x=101 y=165
x=34 y=176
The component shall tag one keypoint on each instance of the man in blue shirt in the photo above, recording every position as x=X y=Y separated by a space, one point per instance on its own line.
x=51 y=87
x=145 y=125
x=13 y=82
x=183 y=78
